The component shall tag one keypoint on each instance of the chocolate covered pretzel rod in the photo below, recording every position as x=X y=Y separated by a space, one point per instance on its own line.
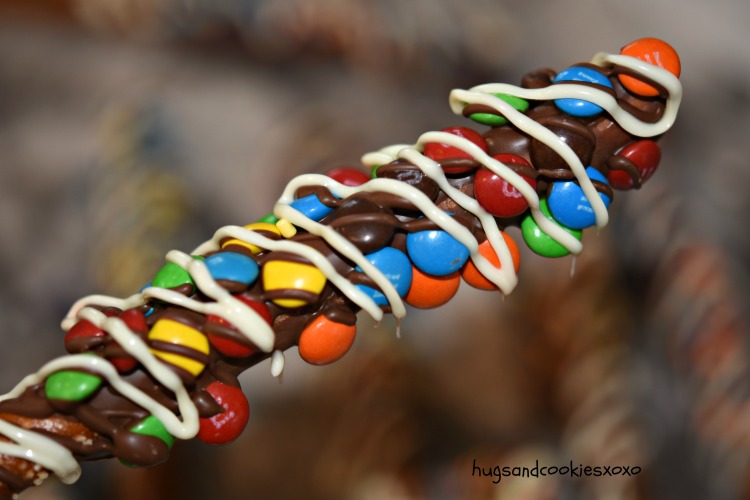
x=163 y=363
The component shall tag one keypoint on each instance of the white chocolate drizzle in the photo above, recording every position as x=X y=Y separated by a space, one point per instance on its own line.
x=51 y=455
x=277 y=363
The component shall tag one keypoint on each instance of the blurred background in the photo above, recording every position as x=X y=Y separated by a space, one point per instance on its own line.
x=131 y=127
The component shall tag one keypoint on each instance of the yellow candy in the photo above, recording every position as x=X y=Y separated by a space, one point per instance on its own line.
x=280 y=276
x=174 y=332
x=255 y=226
x=287 y=228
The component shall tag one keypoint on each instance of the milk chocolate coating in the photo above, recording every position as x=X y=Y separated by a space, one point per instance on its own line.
x=97 y=427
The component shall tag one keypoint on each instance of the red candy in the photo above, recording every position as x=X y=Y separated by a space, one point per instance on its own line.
x=645 y=154
x=225 y=427
x=123 y=365
x=498 y=196
x=83 y=329
x=324 y=341
x=134 y=319
x=348 y=176
x=439 y=151
x=227 y=346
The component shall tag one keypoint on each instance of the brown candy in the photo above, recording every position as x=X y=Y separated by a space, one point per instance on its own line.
x=407 y=173
x=573 y=133
x=364 y=223
x=609 y=137
x=507 y=140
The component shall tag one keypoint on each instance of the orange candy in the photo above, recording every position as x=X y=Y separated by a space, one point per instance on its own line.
x=429 y=291
x=471 y=274
x=324 y=341
x=653 y=51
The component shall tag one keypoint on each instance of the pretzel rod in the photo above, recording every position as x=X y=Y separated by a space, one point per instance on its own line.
x=163 y=363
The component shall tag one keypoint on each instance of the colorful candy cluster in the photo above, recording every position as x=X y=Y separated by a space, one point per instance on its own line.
x=429 y=216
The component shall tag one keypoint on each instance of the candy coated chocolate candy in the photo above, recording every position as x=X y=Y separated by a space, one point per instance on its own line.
x=146 y=452
x=269 y=218
x=282 y=278
x=311 y=207
x=81 y=329
x=412 y=176
x=152 y=426
x=136 y=321
x=470 y=273
x=507 y=140
x=183 y=338
x=578 y=137
x=133 y=318
x=436 y=252
x=652 y=51
x=580 y=107
x=267 y=229
x=495 y=120
x=438 y=151
x=232 y=266
x=286 y=228
x=172 y=275
x=645 y=154
x=71 y=385
x=324 y=341
x=123 y=365
x=226 y=426
x=396 y=266
x=498 y=196
x=570 y=207
x=540 y=242
x=428 y=291
x=367 y=225
x=348 y=176
x=229 y=347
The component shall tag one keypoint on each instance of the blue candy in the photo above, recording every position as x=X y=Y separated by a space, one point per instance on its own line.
x=232 y=266
x=579 y=107
x=312 y=207
x=436 y=252
x=570 y=207
x=395 y=265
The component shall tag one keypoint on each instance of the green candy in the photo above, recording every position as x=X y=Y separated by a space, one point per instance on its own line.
x=269 y=219
x=152 y=426
x=494 y=120
x=172 y=275
x=540 y=242
x=71 y=385
x=374 y=172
